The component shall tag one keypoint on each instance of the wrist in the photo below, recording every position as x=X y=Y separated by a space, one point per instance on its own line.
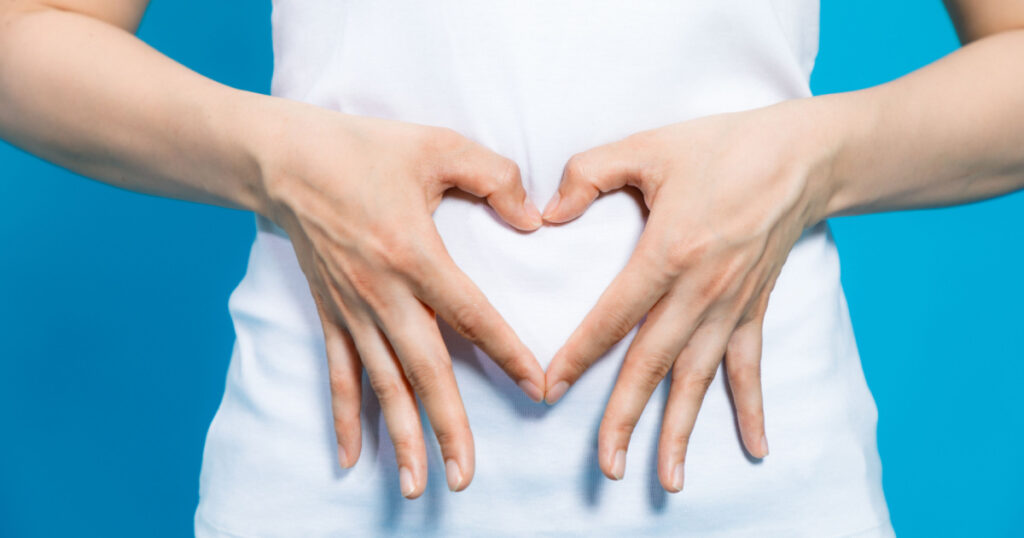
x=820 y=135
x=258 y=123
x=841 y=124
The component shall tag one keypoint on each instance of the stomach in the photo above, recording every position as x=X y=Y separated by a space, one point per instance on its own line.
x=269 y=465
x=538 y=94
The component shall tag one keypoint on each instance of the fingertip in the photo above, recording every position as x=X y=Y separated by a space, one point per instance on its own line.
x=457 y=480
x=674 y=482
x=526 y=218
x=342 y=457
x=532 y=391
x=407 y=483
x=756 y=443
x=556 y=392
x=533 y=218
x=566 y=208
x=349 y=448
x=617 y=465
x=552 y=206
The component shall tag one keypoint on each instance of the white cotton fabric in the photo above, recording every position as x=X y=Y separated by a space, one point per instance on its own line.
x=538 y=81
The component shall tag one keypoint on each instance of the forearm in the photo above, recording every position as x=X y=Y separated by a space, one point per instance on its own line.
x=952 y=132
x=90 y=96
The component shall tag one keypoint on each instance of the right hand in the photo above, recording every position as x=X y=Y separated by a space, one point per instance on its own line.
x=355 y=196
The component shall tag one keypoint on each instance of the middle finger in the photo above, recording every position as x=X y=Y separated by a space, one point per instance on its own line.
x=649 y=358
x=414 y=335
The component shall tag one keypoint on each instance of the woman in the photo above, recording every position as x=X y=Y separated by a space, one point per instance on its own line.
x=702 y=106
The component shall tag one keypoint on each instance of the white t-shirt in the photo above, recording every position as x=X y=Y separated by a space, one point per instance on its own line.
x=538 y=81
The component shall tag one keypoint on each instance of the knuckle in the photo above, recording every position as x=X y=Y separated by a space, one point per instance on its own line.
x=702 y=245
x=698 y=247
x=697 y=382
x=751 y=416
x=443 y=139
x=341 y=382
x=716 y=285
x=651 y=367
x=391 y=249
x=680 y=256
x=344 y=424
x=398 y=256
x=467 y=319
x=745 y=374
x=641 y=140
x=449 y=437
x=615 y=429
x=363 y=281
x=576 y=167
x=387 y=389
x=507 y=175
x=680 y=438
x=654 y=263
x=613 y=325
x=396 y=252
x=425 y=375
x=405 y=445
x=575 y=364
x=624 y=429
x=409 y=260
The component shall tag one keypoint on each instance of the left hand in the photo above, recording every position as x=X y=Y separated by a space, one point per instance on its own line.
x=728 y=195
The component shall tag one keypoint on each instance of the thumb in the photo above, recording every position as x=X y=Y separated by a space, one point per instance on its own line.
x=588 y=174
x=483 y=173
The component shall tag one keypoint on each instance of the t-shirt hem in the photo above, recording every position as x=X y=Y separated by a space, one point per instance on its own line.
x=205 y=529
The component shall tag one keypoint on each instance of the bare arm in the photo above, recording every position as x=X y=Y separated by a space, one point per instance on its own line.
x=730 y=195
x=78 y=89
x=951 y=132
x=354 y=194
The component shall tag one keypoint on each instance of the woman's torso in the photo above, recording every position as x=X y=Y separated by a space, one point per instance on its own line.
x=538 y=81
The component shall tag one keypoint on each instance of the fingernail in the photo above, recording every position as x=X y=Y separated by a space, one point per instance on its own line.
x=677 y=477
x=619 y=464
x=764 y=445
x=453 y=473
x=533 y=213
x=531 y=390
x=556 y=392
x=406 y=481
x=342 y=457
x=553 y=204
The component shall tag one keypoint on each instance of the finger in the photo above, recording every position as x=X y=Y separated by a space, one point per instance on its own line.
x=588 y=174
x=442 y=286
x=626 y=301
x=486 y=174
x=397 y=403
x=692 y=374
x=345 y=376
x=413 y=333
x=651 y=355
x=743 y=368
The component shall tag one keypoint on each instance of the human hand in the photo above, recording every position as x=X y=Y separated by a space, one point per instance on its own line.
x=728 y=195
x=355 y=195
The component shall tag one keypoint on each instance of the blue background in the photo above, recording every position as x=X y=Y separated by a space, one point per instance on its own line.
x=114 y=332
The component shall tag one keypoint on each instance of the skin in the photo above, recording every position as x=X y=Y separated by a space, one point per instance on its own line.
x=354 y=194
x=728 y=196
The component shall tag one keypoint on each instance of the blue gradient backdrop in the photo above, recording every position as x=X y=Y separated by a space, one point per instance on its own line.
x=114 y=332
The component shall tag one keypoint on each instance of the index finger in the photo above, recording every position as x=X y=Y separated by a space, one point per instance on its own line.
x=620 y=308
x=440 y=284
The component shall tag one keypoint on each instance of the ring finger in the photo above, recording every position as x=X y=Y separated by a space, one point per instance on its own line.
x=397 y=403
